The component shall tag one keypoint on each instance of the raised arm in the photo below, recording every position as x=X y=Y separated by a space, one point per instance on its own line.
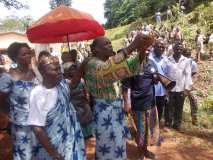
x=120 y=65
x=123 y=65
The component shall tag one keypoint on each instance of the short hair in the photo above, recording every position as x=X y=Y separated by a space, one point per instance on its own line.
x=94 y=43
x=187 y=52
x=43 y=53
x=74 y=51
x=177 y=43
x=13 y=50
x=68 y=65
x=40 y=56
x=159 y=40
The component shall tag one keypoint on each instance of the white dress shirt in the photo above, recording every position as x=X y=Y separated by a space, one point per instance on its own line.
x=180 y=72
x=42 y=100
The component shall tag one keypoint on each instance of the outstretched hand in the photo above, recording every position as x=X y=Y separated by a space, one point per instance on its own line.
x=144 y=41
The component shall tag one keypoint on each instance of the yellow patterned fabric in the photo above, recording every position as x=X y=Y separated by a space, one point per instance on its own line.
x=101 y=77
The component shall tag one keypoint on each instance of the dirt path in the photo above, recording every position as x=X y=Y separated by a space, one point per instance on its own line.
x=176 y=146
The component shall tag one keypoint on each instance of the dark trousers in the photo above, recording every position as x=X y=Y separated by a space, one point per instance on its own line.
x=193 y=107
x=174 y=109
x=160 y=103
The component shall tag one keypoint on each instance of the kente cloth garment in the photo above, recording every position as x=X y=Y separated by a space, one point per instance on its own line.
x=101 y=77
x=111 y=130
x=22 y=136
x=110 y=126
x=148 y=132
x=62 y=128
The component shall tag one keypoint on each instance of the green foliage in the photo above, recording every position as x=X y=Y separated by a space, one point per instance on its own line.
x=207 y=105
x=111 y=8
x=201 y=17
x=121 y=12
x=55 y=3
x=13 y=3
x=117 y=35
x=14 y=23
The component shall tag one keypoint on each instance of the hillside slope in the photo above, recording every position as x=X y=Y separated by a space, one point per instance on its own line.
x=201 y=17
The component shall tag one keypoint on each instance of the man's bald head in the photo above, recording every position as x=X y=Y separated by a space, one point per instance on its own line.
x=101 y=47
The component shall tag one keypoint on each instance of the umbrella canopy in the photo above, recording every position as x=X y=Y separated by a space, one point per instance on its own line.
x=64 y=24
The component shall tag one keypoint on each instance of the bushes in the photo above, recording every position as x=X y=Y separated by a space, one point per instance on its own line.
x=207 y=105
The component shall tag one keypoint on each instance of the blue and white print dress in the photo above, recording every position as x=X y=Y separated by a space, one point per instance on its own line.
x=111 y=130
x=63 y=129
x=22 y=135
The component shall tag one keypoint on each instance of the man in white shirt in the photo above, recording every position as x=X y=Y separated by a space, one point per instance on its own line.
x=178 y=69
x=159 y=60
x=199 y=44
x=53 y=117
x=169 y=14
x=191 y=94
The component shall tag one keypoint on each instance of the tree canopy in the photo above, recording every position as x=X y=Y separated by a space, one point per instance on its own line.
x=120 y=12
x=56 y=3
x=14 y=23
x=13 y=3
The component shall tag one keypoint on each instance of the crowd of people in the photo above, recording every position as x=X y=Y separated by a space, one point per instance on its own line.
x=52 y=117
x=202 y=41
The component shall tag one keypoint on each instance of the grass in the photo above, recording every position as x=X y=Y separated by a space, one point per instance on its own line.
x=200 y=18
x=205 y=114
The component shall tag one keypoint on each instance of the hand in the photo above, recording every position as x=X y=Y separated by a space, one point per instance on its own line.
x=186 y=92
x=146 y=40
x=139 y=39
x=127 y=107
x=155 y=78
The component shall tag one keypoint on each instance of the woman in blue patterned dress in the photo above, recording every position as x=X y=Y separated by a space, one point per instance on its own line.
x=17 y=85
x=52 y=116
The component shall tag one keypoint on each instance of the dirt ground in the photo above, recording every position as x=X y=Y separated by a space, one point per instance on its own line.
x=175 y=146
x=192 y=144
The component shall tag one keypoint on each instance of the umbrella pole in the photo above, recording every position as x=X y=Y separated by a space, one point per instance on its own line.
x=68 y=42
